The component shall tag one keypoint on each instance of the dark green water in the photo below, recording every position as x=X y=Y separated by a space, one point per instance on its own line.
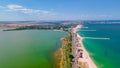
x=28 y=49
x=105 y=53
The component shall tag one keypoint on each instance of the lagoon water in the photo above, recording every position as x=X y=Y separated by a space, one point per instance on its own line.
x=28 y=48
x=105 y=53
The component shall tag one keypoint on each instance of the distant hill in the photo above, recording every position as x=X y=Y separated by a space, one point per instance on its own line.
x=66 y=21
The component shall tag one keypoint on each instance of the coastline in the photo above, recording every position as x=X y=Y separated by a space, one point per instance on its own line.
x=58 y=58
x=88 y=59
x=63 y=56
x=82 y=57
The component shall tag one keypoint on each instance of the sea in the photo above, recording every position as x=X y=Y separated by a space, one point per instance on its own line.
x=104 y=52
x=29 y=48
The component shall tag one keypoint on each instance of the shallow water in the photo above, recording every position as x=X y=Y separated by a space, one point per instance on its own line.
x=28 y=48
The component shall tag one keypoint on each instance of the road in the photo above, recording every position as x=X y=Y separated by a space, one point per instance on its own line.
x=74 y=64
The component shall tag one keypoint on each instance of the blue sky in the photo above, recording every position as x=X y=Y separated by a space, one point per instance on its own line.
x=22 y=10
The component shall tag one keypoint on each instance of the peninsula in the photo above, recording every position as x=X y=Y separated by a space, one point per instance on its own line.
x=72 y=54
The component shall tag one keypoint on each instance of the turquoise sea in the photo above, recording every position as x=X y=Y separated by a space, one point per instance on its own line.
x=105 y=53
x=29 y=48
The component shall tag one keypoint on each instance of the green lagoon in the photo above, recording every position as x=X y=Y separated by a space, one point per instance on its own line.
x=29 y=48
x=105 y=53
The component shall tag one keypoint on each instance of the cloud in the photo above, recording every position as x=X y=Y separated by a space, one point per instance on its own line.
x=27 y=10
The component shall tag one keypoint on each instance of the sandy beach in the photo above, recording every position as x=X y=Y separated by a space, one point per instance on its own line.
x=82 y=58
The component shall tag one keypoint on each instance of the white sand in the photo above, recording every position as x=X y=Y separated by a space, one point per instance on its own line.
x=86 y=56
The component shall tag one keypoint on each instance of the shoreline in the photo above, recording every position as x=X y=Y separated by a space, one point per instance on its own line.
x=58 y=55
x=63 y=55
x=89 y=59
x=82 y=57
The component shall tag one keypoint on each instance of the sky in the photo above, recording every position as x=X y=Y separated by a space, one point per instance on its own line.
x=29 y=10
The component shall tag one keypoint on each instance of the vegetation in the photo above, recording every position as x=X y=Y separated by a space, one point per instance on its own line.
x=64 y=55
x=67 y=51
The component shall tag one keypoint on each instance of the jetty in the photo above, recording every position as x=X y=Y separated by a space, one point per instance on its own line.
x=96 y=38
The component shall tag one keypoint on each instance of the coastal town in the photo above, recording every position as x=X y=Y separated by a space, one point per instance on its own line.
x=82 y=58
x=34 y=25
x=72 y=53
